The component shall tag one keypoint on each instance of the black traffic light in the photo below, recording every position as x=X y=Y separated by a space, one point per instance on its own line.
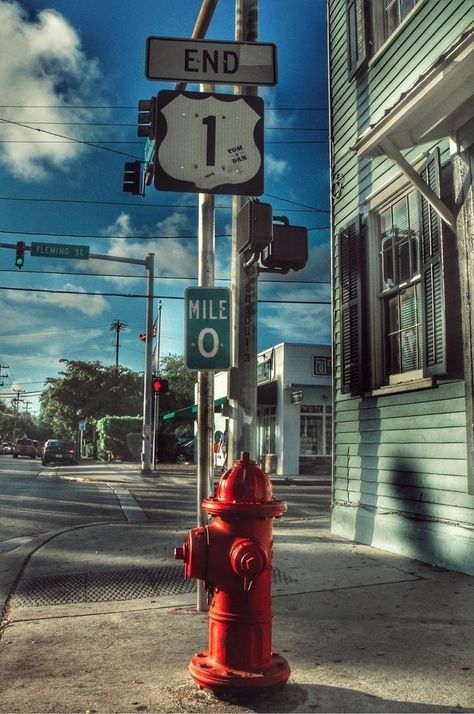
x=20 y=254
x=159 y=386
x=133 y=178
x=147 y=117
x=288 y=249
x=254 y=226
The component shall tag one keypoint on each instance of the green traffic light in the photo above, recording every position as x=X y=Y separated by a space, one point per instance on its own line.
x=20 y=254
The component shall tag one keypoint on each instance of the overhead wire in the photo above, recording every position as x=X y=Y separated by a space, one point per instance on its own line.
x=157 y=277
x=143 y=295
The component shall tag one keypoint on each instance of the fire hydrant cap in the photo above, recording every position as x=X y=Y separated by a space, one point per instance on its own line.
x=244 y=490
x=245 y=482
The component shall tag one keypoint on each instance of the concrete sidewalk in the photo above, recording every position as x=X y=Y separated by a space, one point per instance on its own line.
x=100 y=620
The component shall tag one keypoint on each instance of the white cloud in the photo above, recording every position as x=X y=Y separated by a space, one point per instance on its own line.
x=91 y=305
x=42 y=64
x=275 y=168
x=175 y=256
x=302 y=314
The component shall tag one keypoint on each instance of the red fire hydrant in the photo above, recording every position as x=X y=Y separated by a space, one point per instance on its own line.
x=233 y=555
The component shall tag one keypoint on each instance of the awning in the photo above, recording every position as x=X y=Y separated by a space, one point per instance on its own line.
x=191 y=411
x=435 y=107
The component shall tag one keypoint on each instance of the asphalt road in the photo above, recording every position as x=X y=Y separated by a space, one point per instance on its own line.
x=31 y=505
x=35 y=500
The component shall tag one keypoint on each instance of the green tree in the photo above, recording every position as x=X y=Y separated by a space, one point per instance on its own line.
x=89 y=390
x=181 y=383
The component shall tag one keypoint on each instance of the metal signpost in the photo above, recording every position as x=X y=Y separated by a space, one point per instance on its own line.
x=213 y=62
x=78 y=252
x=212 y=143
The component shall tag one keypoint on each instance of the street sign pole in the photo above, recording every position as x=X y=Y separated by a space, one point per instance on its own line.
x=147 y=395
x=205 y=420
x=243 y=377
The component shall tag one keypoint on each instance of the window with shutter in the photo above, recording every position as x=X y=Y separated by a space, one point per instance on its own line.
x=432 y=274
x=370 y=24
x=357 y=35
x=411 y=307
x=350 y=256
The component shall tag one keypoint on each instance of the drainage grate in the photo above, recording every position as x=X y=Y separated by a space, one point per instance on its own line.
x=130 y=584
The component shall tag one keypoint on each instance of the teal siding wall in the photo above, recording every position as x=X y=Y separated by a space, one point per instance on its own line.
x=399 y=453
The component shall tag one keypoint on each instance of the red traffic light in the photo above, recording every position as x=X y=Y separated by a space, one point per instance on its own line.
x=159 y=385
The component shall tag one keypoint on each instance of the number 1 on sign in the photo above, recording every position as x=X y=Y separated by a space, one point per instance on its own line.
x=210 y=122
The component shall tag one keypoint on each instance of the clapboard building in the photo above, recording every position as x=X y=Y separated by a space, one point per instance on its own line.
x=402 y=132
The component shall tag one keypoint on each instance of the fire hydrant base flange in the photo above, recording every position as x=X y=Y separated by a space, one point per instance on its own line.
x=210 y=675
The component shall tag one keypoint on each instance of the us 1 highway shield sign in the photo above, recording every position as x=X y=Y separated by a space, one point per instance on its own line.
x=209 y=143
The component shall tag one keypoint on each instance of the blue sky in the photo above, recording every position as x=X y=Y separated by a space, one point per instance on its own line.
x=76 y=70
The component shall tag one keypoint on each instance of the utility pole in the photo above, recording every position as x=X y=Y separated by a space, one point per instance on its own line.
x=205 y=420
x=117 y=326
x=3 y=376
x=16 y=403
x=206 y=260
x=147 y=395
x=156 y=412
x=243 y=376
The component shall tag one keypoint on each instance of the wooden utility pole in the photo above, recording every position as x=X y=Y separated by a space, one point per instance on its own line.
x=117 y=326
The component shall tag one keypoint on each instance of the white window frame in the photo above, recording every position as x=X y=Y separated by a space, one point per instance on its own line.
x=383 y=382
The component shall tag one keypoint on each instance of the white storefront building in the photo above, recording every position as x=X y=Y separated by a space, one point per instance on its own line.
x=294 y=408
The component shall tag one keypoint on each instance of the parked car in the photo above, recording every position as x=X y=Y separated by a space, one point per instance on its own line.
x=24 y=447
x=61 y=450
x=6 y=447
x=185 y=451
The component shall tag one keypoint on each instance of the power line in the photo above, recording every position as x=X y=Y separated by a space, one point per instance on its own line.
x=116 y=124
x=137 y=295
x=191 y=278
x=134 y=107
x=71 y=139
x=155 y=205
x=102 y=144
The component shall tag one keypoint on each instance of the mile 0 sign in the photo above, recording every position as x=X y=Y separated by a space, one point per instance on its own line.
x=207 y=328
x=209 y=143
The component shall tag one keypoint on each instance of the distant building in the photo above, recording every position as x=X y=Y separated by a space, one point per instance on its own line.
x=294 y=408
x=402 y=155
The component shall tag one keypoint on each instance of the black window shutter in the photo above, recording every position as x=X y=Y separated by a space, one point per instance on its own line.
x=432 y=274
x=357 y=36
x=350 y=256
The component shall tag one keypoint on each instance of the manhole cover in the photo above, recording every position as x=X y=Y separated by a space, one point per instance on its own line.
x=130 y=584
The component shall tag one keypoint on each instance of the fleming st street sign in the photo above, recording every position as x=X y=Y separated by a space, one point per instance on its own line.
x=212 y=62
x=56 y=250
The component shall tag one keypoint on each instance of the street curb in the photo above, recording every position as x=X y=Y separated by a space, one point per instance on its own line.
x=15 y=561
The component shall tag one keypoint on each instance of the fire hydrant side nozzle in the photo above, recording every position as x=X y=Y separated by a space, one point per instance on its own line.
x=233 y=555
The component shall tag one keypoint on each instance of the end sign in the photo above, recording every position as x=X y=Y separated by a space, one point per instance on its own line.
x=207 y=328
x=211 y=61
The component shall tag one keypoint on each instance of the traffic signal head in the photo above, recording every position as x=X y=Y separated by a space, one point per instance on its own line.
x=254 y=227
x=159 y=385
x=288 y=249
x=20 y=254
x=133 y=179
x=147 y=117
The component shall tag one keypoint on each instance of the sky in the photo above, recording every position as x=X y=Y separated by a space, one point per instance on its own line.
x=71 y=76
